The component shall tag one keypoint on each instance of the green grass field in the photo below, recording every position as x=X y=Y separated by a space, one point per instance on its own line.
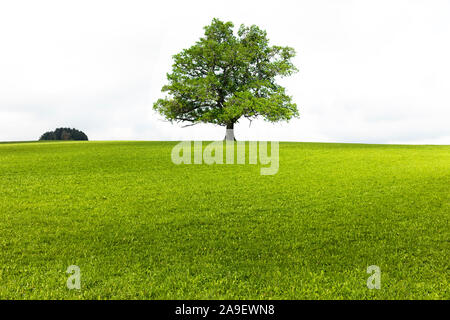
x=140 y=227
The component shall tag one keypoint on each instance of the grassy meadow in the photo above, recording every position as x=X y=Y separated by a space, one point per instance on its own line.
x=140 y=227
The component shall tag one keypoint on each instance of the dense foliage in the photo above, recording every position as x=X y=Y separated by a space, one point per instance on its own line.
x=64 y=134
x=224 y=77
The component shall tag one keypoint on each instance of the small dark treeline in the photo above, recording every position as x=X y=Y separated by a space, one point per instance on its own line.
x=64 y=134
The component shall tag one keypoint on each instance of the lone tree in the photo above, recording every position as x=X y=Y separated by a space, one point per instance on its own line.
x=225 y=77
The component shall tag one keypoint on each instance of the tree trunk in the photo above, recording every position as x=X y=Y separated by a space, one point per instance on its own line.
x=229 y=135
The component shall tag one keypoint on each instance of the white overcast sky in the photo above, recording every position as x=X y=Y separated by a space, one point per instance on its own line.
x=370 y=71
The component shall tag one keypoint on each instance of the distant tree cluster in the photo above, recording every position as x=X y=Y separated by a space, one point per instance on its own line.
x=64 y=134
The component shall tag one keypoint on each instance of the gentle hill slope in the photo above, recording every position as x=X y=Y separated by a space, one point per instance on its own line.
x=139 y=226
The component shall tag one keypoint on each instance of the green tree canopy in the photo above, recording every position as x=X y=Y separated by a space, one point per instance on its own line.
x=225 y=77
x=64 y=134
